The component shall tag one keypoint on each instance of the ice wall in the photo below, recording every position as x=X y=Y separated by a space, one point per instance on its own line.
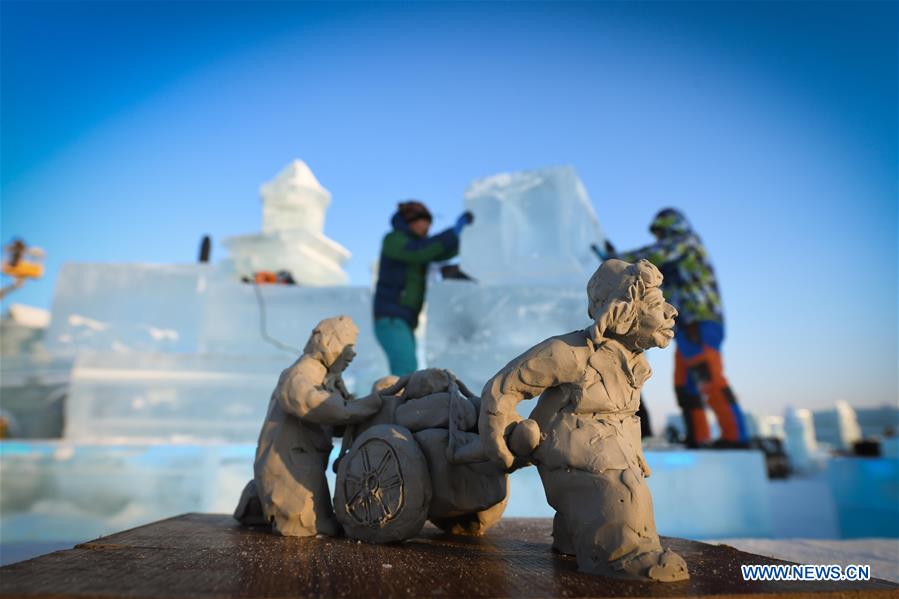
x=169 y=397
x=475 y=330
x=60 y=490
x=128 y=307
x=531 y=228
x=178 y=352
x=292 y=238
x=64 y=491
x=866 y=491
x=731 y=487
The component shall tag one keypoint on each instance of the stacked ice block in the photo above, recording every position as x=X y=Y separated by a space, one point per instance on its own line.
x=75 y=491
x=474 y=330
x=178 y=352
x=728 y=488
x=531 y=228
x=529 y=251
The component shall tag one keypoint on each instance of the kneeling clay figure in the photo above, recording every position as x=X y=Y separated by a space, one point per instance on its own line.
x=289 y=490
x=590 y=458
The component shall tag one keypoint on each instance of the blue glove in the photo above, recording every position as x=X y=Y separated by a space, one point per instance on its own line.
x=465 y=219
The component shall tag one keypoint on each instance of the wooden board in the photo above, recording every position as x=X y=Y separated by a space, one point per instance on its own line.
x=206 y=555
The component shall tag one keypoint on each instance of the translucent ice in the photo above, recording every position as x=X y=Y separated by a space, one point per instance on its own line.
x=531 y=228
x=292 y=237
x=76 y=491
x=171 y=397
x=799 y=429
x=122 y=307
x=837 y=427
x=731 y=487
x=474 y=330
x=65 y=491
x=179 y=351
x=866 y=491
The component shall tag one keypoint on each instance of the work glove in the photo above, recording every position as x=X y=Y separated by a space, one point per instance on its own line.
x=466 y=218
x=604 y=254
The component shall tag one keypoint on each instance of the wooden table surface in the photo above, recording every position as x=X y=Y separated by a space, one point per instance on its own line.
x=209 y=555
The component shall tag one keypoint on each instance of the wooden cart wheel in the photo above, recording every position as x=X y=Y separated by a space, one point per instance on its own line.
x=383 y=487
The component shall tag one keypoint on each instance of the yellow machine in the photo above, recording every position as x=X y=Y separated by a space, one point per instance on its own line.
x=24 y=270
x=21 y=263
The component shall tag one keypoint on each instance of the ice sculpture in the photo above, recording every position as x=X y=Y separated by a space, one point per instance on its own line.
x=799 y=429
x=847 y=425
x=292 y=239
x=531 y=228
x=473 y=330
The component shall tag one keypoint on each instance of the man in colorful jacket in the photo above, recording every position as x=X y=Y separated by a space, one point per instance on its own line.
x=690 y=286
x=402 y=273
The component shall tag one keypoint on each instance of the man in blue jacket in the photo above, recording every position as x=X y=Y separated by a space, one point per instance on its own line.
x=402 y=273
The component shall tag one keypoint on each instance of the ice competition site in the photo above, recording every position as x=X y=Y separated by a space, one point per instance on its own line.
x=180 y=211
x=160 y=417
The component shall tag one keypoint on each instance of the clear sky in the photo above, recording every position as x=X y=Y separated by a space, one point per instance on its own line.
x=130 y=129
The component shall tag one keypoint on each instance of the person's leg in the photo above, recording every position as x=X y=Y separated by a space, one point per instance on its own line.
x=715 y=386
x=686 y=391
x=398 y=341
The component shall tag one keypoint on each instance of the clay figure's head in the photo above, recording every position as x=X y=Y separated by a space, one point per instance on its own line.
x=333 y=342
x=626 y=303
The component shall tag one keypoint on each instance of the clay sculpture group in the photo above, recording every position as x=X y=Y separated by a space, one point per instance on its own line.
x=424 y=447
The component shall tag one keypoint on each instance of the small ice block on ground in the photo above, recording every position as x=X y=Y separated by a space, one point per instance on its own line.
x=866 y=492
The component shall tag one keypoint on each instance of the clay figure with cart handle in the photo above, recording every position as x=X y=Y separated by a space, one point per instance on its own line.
x=589 y=455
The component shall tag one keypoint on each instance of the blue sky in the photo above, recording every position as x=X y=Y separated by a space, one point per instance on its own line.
x=131 y=129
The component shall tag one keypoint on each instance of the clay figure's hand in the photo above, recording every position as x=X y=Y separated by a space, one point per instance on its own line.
x=494 y=427
x=366 y=406
x=525 y=438
x=341 y=388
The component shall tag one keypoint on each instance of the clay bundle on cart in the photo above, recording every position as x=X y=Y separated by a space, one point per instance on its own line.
x=419 y=458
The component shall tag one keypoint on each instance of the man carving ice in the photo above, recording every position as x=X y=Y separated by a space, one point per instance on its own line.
x=590 y=458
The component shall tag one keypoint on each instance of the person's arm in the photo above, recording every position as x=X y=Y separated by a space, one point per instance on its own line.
x=442 y=246
x=549 y=364
x=301 y=396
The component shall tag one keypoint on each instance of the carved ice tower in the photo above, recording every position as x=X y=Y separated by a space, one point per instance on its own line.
x=292 y=238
